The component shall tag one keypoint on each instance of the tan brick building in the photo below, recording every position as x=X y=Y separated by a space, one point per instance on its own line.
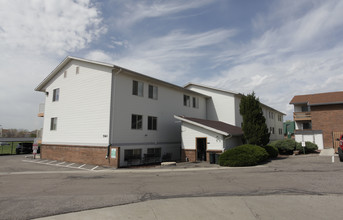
x=319 y=118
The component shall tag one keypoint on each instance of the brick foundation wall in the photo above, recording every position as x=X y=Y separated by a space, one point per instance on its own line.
x=191 y=154
x=95 y=155
x=328 y=118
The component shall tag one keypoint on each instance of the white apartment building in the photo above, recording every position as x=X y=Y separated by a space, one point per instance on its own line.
x=104 y=114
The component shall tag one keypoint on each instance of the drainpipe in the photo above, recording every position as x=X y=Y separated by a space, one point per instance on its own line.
x=108 y=151
x=227 y=137
x=113 y=87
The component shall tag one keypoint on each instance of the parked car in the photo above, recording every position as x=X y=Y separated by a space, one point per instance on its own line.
x=340 y=148
x=25 y=148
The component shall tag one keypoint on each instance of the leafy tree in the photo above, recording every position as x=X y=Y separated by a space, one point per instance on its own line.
x=254 y=123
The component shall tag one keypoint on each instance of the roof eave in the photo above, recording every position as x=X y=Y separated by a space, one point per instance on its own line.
x=201 y=125
x=40 y=87
x=328 y=103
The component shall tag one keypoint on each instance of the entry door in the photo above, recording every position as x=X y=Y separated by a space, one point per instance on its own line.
x=201 y=149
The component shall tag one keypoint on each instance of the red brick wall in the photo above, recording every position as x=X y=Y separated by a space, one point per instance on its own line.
x=80 y=154
x=191 y=154
x=328 y=118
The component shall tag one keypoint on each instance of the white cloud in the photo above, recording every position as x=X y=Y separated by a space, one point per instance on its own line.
x=170 y=57
x=135 y=12
x=34 y=38
x=302 y=54
x=58 y=26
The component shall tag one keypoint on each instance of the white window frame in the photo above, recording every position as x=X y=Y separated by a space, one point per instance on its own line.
x=153 y=92
x=136 y=154
x=195 y=102
x=186 y=100
x=137 y=88
x=136 y=122
x=56 y=95
x=53 y=124
x=152 y=123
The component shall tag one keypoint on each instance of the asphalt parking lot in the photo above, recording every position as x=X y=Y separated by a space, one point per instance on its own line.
x=45 y=188
x=26 y=163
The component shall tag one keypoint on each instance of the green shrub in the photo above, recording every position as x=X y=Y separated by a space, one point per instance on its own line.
x=273 y=143
x=244 y=155
x=309 y=147
x=286 y=146
x=272 y=151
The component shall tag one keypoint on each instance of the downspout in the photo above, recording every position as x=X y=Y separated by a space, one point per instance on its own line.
x=113 y=87
x=227 y=137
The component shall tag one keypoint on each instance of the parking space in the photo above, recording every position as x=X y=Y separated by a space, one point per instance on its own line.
x=77 y=166
x=15 y=164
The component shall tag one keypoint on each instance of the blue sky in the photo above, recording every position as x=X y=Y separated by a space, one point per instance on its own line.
x=276 y=48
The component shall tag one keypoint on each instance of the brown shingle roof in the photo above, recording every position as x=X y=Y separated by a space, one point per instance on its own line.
x=319 y=99
x=218 y=125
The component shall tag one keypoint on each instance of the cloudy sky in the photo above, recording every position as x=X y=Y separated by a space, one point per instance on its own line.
x=276 y=48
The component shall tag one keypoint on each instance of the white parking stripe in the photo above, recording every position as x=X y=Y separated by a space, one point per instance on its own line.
x=94 y=168
x=51 y=163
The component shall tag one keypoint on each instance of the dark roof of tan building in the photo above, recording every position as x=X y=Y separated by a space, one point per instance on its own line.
x=328 y=98
x=218 y=125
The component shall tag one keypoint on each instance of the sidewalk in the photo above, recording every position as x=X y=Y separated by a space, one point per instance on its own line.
x=226 y=207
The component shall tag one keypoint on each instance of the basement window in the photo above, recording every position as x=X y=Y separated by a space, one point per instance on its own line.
x=132 y=154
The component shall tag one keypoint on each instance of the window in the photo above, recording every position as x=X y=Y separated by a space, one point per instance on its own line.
x=154 y=152
x=152 y=123
x=65 y=74
x=186 y=100
x=132 y=154
x=304 y=108
x=77 y=70
x=56 y=95
x=271 y=115
x=280 y=130
x=280 y=117
x=137 y=88
x=53 y=124
x=153 y=92
x=195 y=102
x=272 y=131
x=136 y=122
x=307 y=125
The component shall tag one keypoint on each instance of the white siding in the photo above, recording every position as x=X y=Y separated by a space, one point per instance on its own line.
x=168 y=104
x=83 y=109
x=232 y=142
x=273 y=121
x=314 y=137
x=222 y=106
x=191 y=132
